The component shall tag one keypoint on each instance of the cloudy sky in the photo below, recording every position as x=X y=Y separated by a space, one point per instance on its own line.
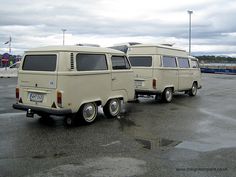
x=34 y=23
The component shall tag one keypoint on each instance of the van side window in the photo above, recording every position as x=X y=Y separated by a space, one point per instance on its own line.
x=141 y=61
x=168 y=61
x=91 y=62
x=183 y=62
x=119 y=62
x=194 y=64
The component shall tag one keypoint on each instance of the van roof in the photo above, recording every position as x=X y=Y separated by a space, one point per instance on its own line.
x=156 y=45
x=74 y=48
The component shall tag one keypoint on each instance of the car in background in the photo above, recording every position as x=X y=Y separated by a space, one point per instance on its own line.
x=10 y=71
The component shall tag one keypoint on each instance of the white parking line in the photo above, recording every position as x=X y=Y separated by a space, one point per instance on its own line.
x=112 y=143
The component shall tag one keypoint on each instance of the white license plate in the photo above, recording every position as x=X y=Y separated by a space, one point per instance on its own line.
x=138 y=83
x=36 y=97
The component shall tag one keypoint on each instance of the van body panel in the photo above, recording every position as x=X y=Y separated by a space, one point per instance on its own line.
x=38 y=88
x=121 y=78
x=76 y=94
x=181 y=79
x=168 y=77
x=143 y=78
x=185 y=79
x=65 y=89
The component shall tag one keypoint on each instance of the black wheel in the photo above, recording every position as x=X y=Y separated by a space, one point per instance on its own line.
x=167 y=95
x=193 y=90
x=88 y=113
x=112 y=108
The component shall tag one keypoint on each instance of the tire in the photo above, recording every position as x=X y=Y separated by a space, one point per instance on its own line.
x=167 y=95
x=193 y=90
x=112 y=108
x=88 y=113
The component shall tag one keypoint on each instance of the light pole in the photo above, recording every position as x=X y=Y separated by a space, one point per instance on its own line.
x=189 y=35
x=63 y=33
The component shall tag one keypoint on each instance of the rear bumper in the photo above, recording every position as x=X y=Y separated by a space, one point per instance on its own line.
x=36 y=110
x=146 y=92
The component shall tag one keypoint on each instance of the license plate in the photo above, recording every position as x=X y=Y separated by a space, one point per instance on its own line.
x=138 y=83
x=36 y=97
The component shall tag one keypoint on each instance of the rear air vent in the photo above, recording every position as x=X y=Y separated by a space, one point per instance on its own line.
x=72 y=66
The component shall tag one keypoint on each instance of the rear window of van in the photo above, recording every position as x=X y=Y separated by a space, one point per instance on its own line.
x=40 y=63
x=91 y=62
x=141 y=61
x=119 y=62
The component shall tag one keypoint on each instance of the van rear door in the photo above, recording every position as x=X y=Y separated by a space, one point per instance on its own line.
x=38 y=79
x=122 y=76
x=143 y=71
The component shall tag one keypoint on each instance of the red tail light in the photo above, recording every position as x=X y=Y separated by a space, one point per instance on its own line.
x=59 y=99
x=17 y=94
x=154 y=83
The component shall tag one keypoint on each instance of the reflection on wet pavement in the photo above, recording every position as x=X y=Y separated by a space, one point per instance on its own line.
x=157 y=143
x=143 y=137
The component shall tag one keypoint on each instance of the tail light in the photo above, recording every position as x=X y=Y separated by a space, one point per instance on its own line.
x=17 y=94
x=59 y=98
x=154 y=83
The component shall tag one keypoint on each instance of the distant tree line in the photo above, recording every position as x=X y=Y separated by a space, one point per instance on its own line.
x=215 y=59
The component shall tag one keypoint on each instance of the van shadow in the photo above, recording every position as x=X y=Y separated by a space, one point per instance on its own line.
x=56 y=121
x=49 y=121
x=150 y=100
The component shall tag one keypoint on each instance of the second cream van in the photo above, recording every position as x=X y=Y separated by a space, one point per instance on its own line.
x=162 y=70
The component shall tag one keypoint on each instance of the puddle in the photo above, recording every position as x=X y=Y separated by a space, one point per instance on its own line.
x=59 y=154
x=157 y=143
x=55 y=155
x=39 y=157
x=207 y=145
x=146 y=143
x=124 y=122
x=174 y=109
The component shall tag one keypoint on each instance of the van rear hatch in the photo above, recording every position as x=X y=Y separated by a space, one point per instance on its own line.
x=143 y=71
x=37 y=79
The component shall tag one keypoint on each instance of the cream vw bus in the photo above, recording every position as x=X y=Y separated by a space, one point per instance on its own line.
x=162 y=70
x=73 y=81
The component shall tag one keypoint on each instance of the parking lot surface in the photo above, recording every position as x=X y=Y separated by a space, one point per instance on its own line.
x=192 y=136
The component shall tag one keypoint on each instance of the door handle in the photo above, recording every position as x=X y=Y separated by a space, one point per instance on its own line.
x=114 y=78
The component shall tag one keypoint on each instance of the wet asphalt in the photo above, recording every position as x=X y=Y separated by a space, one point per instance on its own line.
x=192 y=136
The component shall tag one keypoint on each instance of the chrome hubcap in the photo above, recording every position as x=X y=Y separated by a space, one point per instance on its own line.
x=89 y=112
x=194 y=89
x=168 y=95
x=114 y=107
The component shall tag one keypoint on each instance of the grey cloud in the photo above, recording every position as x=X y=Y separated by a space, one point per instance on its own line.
x=40 y=19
